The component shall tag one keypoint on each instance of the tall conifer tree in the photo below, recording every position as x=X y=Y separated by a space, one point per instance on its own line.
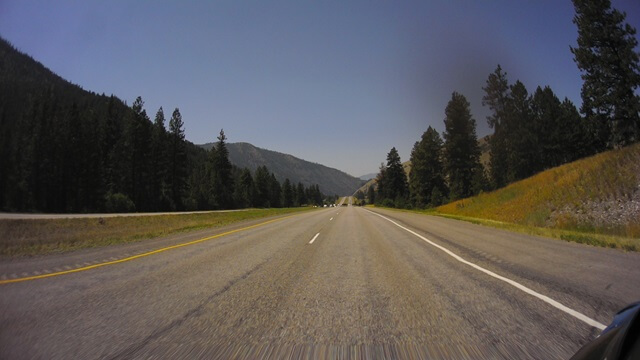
x=607 y=58
x=427 y=173
x=462 y=154
x=496 y=97
x=177 y=159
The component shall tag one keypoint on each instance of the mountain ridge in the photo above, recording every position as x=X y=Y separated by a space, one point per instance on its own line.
x=331 y=181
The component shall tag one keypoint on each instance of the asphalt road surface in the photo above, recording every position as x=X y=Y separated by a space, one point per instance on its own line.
x=339 y=282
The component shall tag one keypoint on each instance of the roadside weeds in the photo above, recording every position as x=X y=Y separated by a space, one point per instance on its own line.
x=582 y=237
x=44 y=236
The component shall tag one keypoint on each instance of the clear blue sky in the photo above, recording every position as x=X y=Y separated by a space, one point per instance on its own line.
x=333 y=82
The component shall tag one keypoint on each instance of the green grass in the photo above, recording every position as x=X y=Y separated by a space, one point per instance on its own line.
x=43 y=236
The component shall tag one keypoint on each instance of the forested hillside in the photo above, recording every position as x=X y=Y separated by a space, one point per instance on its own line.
x=331 y=181
x=533 y=131
x=64 y=149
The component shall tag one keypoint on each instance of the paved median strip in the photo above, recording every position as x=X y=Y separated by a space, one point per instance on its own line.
x=70 y=270
x=517 y=285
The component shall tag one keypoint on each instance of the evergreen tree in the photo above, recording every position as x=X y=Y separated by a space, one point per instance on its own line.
x=110 y=131
x=371 y=194
x=91 y=191
x=177 y=159
x=72 y=162
x=546 y=113
x=427 y=171
x=392 y=183
x=136 y=148
x=496 y=97
x=301 y=196
x=561 y=133
x=199 y=191
x=262 y=191
x=209 y=177
x=275 y=192
x=462 y=154
x=287 y=193
x=222 y=180
x=381 y=184
x=523 y=158
x=576 y=137
x=316 y=195
x=244 y=189
x=159 y=163
x=479 y=183
x=608 y=61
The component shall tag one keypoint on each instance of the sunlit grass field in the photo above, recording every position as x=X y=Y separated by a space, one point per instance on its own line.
x=590 y=201
x=42 y=236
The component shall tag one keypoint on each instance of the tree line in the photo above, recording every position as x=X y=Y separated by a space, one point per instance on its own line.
x=441 y=170
x=532 y=132
x=216 y=183
x=63 y=149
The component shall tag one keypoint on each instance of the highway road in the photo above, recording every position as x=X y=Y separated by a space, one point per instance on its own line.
x=343 y=282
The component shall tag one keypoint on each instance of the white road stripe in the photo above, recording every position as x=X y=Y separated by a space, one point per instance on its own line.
x=330 y=219
x=314 y=238
x=527 y=290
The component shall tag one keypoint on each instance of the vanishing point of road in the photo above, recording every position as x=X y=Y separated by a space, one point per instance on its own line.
x=343 y=282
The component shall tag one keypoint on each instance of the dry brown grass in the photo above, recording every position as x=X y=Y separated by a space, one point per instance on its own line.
x=41 y=236
x=594 y=200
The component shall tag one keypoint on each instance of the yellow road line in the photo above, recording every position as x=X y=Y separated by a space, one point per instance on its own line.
x=35 y=277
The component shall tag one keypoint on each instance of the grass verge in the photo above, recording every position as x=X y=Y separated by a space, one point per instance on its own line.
x=599 y=194
x=44 y=236
x=594 y=239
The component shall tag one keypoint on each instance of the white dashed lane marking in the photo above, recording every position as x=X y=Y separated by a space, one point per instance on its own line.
x=314 y=238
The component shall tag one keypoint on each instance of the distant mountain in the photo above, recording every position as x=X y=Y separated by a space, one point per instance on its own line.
x=368 y=177
x=331 y=181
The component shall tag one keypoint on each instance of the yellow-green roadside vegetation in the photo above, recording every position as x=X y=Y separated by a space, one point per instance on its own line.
x=595 y=200
x=44 y=236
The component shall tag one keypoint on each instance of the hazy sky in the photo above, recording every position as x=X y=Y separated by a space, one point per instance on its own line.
x=333 y=82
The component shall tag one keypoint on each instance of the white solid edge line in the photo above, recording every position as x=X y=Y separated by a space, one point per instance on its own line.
x=527 y=290
x=314 y=238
